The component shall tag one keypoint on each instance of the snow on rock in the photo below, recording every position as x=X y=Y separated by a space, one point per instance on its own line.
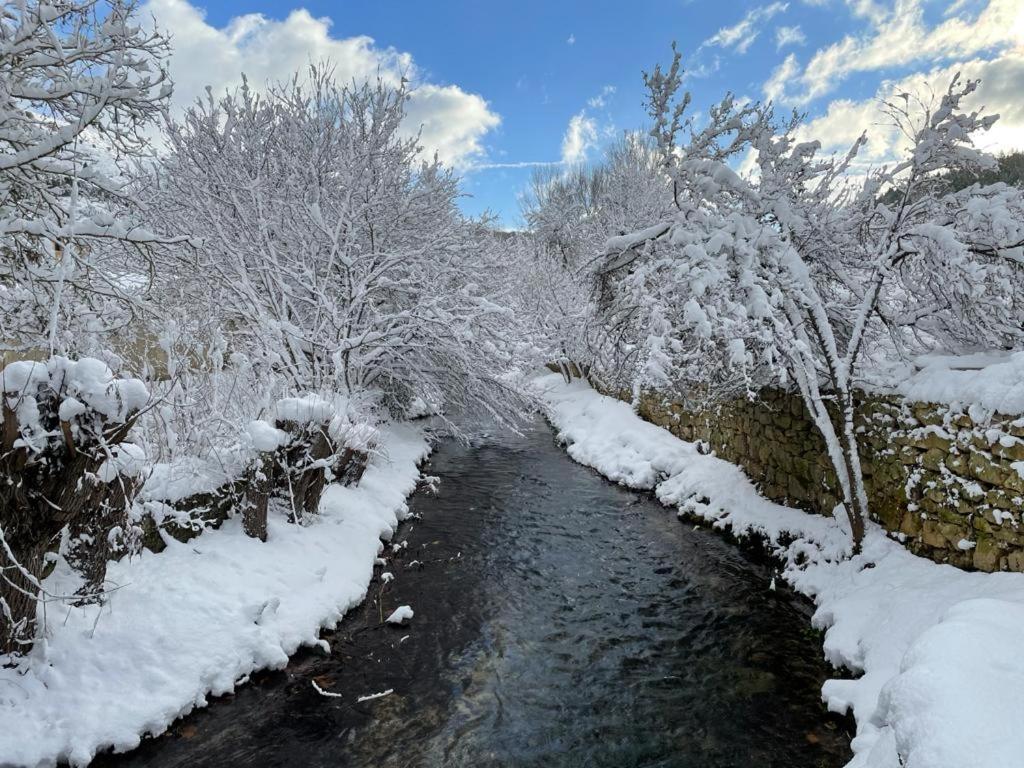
x=400 y=615
x=197 y=618
x=937 y=649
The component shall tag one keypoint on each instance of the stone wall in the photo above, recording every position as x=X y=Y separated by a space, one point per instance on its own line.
x=947 y=483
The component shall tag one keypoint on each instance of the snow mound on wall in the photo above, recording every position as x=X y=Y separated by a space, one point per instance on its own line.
x=937 y=649
x=981 y=384
x=198 y=618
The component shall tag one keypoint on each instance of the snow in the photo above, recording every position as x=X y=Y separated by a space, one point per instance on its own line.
x=266 y=437
x=372 y=696
x=189 y=475
x=400 y=615
x=936 y=649
x=304 y=410
x=124 y=460
x=86 y=382
x=23 y=376
x=992 y=382
x=625 y=242
x=198 y=618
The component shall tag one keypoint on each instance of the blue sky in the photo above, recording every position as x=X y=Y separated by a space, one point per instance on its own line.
x=531 y=81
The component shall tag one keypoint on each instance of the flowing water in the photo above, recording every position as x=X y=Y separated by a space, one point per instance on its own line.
x=560 y=621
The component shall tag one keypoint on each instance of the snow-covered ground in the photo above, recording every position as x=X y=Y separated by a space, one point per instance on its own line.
x=199 y=617
x=937 y=651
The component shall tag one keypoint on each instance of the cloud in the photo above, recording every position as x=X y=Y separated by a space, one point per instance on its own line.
x=789 y=36
x=999 y=93
x=580 y=136
x=571 y=40
x=742 y=35
x=599 y=101
x=515 y=164
x=454 y=122
x=902 y=38
x=776 y=84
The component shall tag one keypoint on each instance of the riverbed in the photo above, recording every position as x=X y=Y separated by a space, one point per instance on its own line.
x=560 y=620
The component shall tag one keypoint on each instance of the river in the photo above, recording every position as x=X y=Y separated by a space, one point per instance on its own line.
x=560 y=620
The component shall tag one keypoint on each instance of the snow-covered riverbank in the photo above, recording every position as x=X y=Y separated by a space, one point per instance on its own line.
x=198 y=618
x=936 y=649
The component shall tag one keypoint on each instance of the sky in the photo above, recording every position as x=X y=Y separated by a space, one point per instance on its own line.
x=500 y=88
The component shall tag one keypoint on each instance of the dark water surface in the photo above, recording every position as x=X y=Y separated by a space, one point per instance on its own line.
x=560 y=621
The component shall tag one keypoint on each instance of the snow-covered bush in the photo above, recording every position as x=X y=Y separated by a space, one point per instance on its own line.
x=68 y=479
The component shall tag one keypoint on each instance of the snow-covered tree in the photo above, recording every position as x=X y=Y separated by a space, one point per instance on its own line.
x=80 y=83
x=570 y=213
x=333 y=254
x=791 y=273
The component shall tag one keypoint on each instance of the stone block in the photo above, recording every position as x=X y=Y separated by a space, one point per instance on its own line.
x=986 y=554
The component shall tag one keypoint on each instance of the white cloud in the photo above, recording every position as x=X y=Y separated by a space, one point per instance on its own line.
x=900 y=37
x=776 y=84
x=868 y=9
x=599 y=101
x=999 y=93
x=742 y=35
x=789 y=36
x=580 y=136
x=571 y=40
x=453 y=121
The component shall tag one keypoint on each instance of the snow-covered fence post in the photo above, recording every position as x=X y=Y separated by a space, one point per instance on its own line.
x=67 y=474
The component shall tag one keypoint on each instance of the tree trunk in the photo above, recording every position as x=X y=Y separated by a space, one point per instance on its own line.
x=91 y=533
x=19 y=594
x=40 y=495
x=255 y=500
x=857 y=505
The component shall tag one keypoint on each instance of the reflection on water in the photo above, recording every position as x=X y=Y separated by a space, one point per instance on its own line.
x=560 y=621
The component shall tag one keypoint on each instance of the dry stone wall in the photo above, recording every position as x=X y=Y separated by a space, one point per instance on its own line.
x=948 y=483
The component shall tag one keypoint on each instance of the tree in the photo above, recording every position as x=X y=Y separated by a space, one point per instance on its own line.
x=81 y=84
x=796 y=271
x=333 y=255
x=570 y=213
